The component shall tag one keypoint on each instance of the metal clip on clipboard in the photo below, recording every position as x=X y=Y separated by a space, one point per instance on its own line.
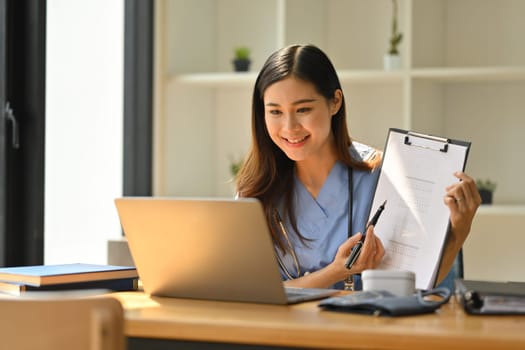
x=427 y=141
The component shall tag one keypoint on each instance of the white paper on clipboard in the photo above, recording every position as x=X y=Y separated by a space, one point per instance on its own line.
x=415 y=171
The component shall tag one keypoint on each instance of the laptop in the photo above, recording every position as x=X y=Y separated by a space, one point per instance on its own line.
x=206 y=248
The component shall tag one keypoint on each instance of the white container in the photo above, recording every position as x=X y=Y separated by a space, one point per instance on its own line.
x=401 y=283
x=391 y=62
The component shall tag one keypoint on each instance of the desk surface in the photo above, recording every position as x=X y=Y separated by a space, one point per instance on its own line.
x=305 y=325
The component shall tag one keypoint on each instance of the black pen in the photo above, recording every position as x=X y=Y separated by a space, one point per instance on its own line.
x=356 y=250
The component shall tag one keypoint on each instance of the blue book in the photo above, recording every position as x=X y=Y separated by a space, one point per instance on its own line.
x=122 y=284
x=45 y=275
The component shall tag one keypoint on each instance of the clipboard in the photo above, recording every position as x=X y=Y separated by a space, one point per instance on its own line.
x=416 y=168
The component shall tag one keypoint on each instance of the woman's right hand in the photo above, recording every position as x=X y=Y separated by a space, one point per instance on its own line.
x=371 y=254
x=370 y=257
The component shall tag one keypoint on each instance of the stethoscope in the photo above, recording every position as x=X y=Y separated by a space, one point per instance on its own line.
x=291 y=250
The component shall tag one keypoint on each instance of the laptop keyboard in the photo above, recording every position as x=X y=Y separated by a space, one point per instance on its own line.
x=308 y=293
x=294 y=294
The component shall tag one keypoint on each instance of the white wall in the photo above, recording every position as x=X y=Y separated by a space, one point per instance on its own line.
x=84 y=122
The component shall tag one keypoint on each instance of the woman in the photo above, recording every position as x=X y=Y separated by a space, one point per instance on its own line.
x=305 y=170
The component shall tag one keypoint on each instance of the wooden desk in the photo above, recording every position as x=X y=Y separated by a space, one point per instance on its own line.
x=306 y=326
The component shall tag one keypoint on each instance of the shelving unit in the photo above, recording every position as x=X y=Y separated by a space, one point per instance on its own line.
x=462 y=76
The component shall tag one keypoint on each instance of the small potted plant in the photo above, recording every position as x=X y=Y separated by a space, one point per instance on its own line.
x=235 y=167
x=392 y=60
x=486 y=189
x=235 y=164
x=241 y=61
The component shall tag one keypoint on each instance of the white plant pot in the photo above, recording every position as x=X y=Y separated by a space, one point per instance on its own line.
x=391 y=62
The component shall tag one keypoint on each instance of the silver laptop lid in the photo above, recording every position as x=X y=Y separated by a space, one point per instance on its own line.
x=202 y=248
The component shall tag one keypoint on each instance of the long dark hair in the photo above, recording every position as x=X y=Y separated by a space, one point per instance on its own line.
x=267 y=173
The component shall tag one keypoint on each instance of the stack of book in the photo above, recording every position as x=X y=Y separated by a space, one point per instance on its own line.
x=20 y=279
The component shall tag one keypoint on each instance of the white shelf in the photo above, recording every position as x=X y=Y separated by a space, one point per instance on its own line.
x=478 y=74
x=499 y=209
x=470 y=74
x=241 y=79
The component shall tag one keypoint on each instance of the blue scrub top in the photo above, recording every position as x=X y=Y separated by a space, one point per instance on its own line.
x=324 y=220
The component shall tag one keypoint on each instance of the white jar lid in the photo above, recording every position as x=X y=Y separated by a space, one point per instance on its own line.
x=388 y=274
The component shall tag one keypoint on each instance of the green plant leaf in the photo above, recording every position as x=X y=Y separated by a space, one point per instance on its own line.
x=396 y=37
x=242 y=53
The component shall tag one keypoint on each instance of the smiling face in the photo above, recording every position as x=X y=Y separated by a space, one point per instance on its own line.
x=298 y=119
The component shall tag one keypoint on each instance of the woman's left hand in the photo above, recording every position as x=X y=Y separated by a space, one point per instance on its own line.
x=462 y=199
